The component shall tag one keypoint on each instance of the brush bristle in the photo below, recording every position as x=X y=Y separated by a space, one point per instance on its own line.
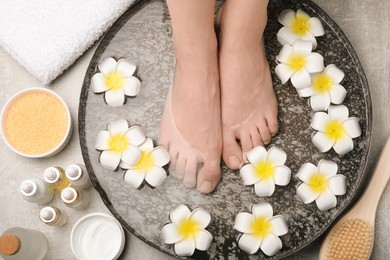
x=352 y=240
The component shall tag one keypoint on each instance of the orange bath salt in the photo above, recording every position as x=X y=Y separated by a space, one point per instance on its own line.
x=36 y=123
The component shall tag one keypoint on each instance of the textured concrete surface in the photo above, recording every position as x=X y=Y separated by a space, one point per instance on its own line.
x=364 y=22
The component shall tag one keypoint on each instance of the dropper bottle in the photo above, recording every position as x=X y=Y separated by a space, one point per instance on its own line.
x=55 y=176
x=52 y=216
x=78 y=176
x=75 y=198
x=35 y=190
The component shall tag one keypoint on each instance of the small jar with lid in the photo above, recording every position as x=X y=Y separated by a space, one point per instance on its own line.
x=52 y=216
x=78 y=176
x=55 y=176
x=35 y=190
x=75 y=198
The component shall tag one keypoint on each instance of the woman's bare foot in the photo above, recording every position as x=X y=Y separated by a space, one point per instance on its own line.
x=249 y=106
x=191 y=125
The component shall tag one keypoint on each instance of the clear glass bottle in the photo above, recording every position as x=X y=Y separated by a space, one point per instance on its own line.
x=52 y=216
x=55 y=176
x=78 y=176
x=25 y=244
x=75 y=198
x=35 y=190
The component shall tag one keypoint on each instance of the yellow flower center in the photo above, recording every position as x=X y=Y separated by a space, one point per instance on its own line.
x=261 y=227
x=118 y=143
x=300 y=25
x=334 y=130
x=188 y=228
x=297 y=62
x=145 y=162
x=114 y=81
x=322 y=83
x=265 y=170
x=318 y=182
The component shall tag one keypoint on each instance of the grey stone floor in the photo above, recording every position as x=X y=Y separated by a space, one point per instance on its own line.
x=365 y=23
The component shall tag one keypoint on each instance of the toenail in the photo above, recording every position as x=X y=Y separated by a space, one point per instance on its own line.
x=234 y=162
x=206 y=186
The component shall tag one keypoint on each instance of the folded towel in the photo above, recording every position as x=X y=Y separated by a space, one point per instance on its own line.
x=47 y=36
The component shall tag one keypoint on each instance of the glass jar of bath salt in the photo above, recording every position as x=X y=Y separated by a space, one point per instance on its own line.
x=55 y=176
x=21 y=244
x=75 y=198
x=78 y=176
x=52 y=216
x=35 y=190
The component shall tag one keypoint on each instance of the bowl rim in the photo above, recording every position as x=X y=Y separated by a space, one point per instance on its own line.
x=8 y=104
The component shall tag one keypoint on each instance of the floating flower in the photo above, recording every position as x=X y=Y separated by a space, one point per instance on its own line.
x=299 y=26
x=147 y=165
x=187 y=230
x=325 y=88
x=116 y=80
x=297 y=62
x=265 y=169
x=119 y=143
x=261 y=230
x=335 y=129
x=321 y=184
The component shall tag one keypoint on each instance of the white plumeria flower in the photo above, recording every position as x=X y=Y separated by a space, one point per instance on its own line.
x=265 y=169
x=116 y=80
x=299 y=26
x=261 y=230
x=321 y=184
x=335 y=129
x=147 y=165
x=325 y=88
x=297 y=62
x=188 y=230
x=119 y=143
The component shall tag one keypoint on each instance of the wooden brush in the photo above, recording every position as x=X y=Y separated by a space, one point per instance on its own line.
x=353 y=235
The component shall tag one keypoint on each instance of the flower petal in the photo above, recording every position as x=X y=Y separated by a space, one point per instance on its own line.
x=102 y=140
x=334 y=73
x=322 y=142
x=256 y=155
x=315 y=62
x=282 y=175
x=306 y=194
x=320 y=101
x=249 y=243
x=271 y=245
x=302 y=14
x=114 y=98
x=306 y=171
x=339 y=113
x=283 y=72
x=326 y=201
x=301 y=79
x=201 y=216
x=125 y=67
x=147 y=146
x=265 y=188
x=306 y=92
x=134 y=177
x=160 y=156
x=338 y=185
x=277 y=156
x=155 y=176
x=310 y=37
x=98 y=84
x=343 y=145
x=328 y=168
x=135 y=135
x=170 y=234
x=286 y=36
x=106 y=66
x=279 y=225
x=131 y=86
x=243 y=222
x=126 y=166
x=284 y=53
x=264 y=210
x=179 y=213
x=248 y=175
x=132 y=155
x=286 y=17
x=352 y=127
x=319 y=121
x=203 y=240
x=316 y=26
x=302 y=47
x=118 y=127
x=337 y=94
x=185 y=247
x=110 y=160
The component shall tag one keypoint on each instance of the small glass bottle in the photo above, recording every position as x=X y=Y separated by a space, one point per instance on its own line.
x=78 y=176
x=21 y=244
x=75 y=198
x=55 y=176
x=35 y=190
x=52 y=216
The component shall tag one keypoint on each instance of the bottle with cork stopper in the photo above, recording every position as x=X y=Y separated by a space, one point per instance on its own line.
x=75 y=198
x=52 y=216
x=35 y=190
x=55 y=176
x=78 y=176
x=21 y=244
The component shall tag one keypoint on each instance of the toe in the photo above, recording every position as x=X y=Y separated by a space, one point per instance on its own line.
x=246 y=143
x=189 y=180
x=180 y=167
x=272 y=124
x=231 y=151
x=265 y=132
x=256 y=137
x=173 y=154
x=209 y=175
